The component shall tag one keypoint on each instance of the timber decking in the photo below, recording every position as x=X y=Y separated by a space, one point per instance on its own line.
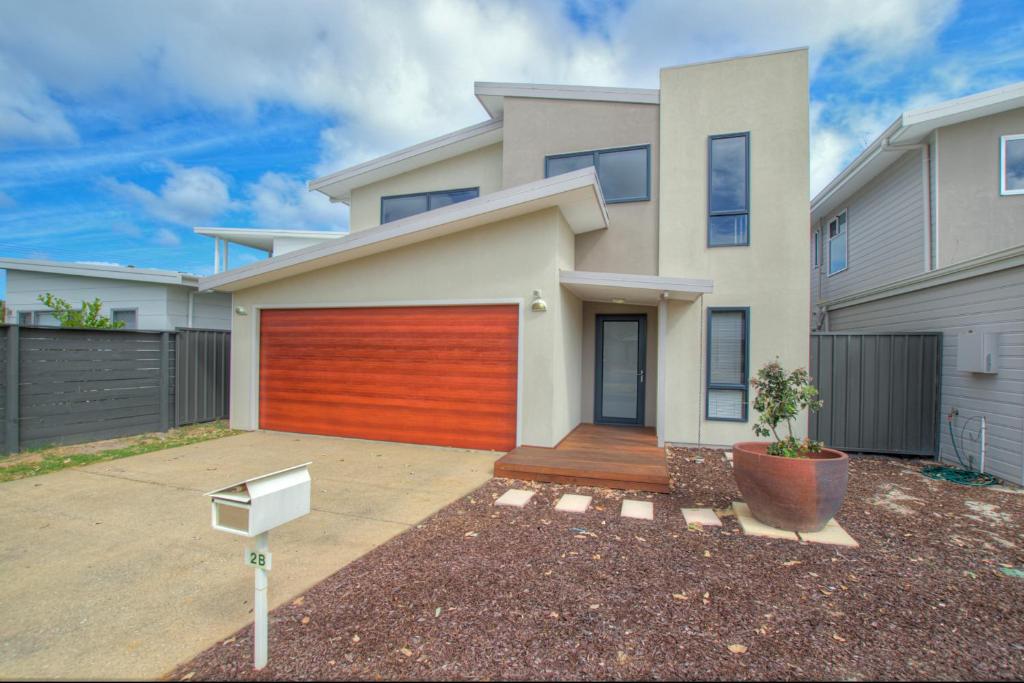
x=594 y=455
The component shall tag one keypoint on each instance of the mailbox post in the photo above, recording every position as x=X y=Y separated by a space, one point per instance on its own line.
x=252 y=508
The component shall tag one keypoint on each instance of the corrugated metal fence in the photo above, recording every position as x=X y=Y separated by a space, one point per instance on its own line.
x=203 y=361
x=880 y=392
x=64 y=386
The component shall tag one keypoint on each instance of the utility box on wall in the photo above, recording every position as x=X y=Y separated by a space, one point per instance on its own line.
x=977 y=352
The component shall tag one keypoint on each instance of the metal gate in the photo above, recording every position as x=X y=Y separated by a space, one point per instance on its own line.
x=881 y=392
x=202 y=378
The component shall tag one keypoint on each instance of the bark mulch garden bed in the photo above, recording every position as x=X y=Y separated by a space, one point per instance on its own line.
x=479 y=592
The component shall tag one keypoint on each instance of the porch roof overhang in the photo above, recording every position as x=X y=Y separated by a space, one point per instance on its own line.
x=577 y=195
x=646 y=290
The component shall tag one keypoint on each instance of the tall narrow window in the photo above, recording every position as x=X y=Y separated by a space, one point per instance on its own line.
x=624 y=173
x=402 y=206
x=837 y=244
x=727 y=372
x=1011 y=164
x=815 y=247
x=729 y=190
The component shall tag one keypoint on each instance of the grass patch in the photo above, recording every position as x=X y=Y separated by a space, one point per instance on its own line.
x=44 y=461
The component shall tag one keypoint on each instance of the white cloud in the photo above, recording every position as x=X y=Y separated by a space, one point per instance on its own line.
x=278 y=200
x=166 y=237
x=386 y=74
x=27 y=113
x=188 y=196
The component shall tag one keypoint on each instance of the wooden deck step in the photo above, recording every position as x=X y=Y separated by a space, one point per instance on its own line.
x=594 y=455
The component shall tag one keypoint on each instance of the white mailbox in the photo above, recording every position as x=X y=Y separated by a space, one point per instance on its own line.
x=254 y=506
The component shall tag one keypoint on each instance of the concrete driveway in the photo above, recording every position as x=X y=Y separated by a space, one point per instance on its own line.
x=113 y=571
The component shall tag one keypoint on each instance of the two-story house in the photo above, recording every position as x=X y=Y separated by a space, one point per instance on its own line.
x=924 y=232
x=586 y=254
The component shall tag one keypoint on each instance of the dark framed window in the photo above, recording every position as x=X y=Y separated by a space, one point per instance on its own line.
x=25 y=318
x=729 y=190
x=401 y=206
x=838 y=243
x=624 y=172
x=728 y=364
x=816 y=248
x=128 y=316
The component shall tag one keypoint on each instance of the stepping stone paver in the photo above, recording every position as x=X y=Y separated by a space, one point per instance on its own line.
x=702 y=516
x=571 y=502
x=516 y=498
x=637 y=509
x=832 y=534
x=752 y=527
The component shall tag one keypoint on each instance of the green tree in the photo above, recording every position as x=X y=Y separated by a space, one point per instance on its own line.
x=87 y=316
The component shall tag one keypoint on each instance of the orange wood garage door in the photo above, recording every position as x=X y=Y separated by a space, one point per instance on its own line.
x=441 y=375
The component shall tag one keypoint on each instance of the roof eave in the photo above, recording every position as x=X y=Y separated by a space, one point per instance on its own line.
x=577 y=194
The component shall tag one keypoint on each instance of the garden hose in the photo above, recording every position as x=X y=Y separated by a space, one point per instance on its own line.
x=958 y=475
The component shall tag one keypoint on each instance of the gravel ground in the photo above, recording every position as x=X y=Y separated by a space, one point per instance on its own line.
x=478 y=592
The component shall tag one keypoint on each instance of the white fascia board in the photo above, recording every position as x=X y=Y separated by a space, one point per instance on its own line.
x=492 y=95
x=339 y=185
x=166 y=277
x=910 y=128
x=576 y=194
x=643 y=288
x=262 y=238
x=920 y=122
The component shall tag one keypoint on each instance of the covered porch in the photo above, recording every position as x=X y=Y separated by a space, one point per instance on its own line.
x=610 y=456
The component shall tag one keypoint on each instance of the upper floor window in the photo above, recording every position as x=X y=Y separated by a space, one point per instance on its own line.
x=729 y=190
x=816 y=248
x=405 y=205
x=624 y=173
x=1011 y=164
x=837 y=244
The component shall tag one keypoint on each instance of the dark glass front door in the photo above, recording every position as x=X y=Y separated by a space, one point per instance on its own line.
x=619 y=376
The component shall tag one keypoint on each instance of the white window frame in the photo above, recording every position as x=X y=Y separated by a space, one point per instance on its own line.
x=126 y=310
x=1002 y=164
x=846 y=232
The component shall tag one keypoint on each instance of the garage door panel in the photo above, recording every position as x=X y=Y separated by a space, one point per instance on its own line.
x=443 y=375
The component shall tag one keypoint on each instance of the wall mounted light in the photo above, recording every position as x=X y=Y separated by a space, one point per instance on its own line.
x=538 y=305
x=618 y=301
x=240 y=310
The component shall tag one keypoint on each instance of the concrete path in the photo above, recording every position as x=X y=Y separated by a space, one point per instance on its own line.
x=113 y=571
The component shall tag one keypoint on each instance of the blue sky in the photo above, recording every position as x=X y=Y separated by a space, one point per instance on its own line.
x=125 y=124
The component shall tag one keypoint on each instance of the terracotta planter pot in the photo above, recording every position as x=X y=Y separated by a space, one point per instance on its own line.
x=797 y=494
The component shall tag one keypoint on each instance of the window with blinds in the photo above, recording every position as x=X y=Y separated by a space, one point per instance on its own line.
x=728 y=339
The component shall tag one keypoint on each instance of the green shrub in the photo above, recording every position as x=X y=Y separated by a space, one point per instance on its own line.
x=780 y=398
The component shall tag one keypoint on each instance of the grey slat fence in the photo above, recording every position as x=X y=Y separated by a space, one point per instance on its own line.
x=203 y=359
x=65 y=386
x=881 y=392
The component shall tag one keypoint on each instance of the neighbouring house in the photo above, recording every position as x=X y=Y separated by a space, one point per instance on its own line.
x=586 y=254
x=273 y=242
x=141 y=298
x=924 y=231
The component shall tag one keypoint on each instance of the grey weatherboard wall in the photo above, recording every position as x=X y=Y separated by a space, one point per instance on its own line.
x=993 y=302
x=885 y=233
x=881 y=392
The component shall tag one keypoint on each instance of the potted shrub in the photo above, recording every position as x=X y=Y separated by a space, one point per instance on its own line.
x=788 y=483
